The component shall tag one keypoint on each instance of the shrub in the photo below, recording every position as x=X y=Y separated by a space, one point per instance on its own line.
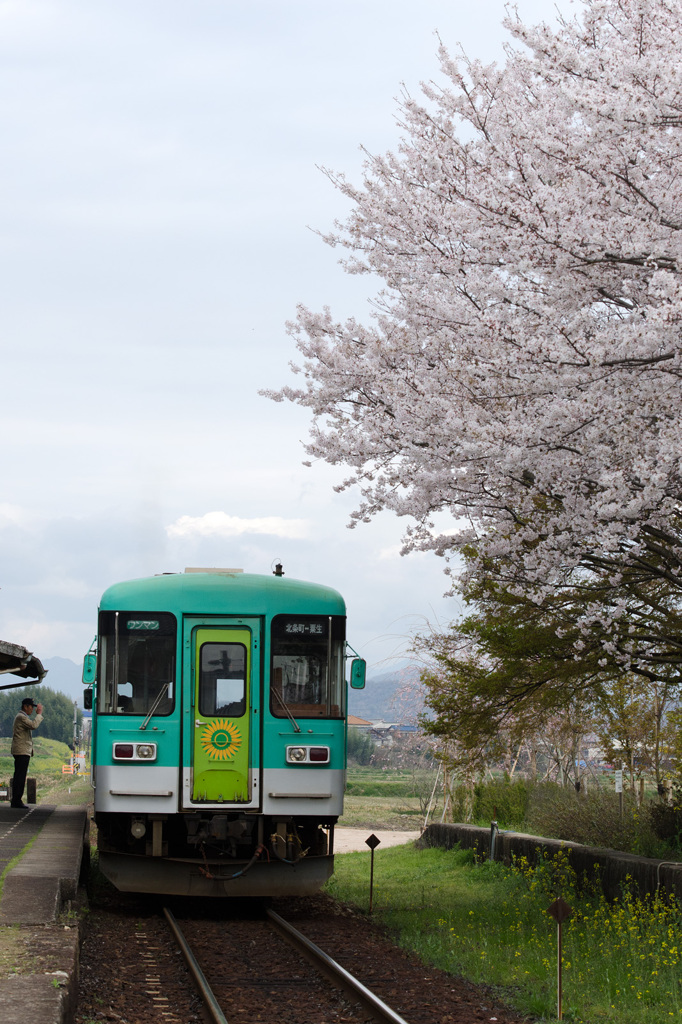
x=558 y=812
x=361 y=747
x=666 y=822
x=502 y=801
x=461 y=803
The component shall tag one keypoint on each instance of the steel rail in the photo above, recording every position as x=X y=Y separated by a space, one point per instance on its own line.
x=335 y=973
x=196 y=971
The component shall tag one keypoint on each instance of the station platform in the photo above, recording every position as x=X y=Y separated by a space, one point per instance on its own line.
x=42 y=853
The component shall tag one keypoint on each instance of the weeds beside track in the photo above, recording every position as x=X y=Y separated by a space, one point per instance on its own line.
x=621 y=960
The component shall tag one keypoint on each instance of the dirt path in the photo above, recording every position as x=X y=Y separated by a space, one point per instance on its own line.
x=346 y=840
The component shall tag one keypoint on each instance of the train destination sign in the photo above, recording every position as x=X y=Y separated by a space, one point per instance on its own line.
x=308 y=628
x=291 y=626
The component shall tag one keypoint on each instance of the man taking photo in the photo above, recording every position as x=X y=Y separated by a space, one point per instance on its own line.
x=22 y=746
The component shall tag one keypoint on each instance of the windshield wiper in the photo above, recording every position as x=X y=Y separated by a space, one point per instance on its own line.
x=291 y=718
x=159 y=697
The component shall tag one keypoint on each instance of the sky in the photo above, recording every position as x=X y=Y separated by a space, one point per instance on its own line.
x=161 y=198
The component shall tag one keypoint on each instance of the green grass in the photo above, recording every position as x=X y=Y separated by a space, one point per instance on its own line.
x=621 y=961
x=374 y=812
x=65 y=789
x=16 y=956
x=390 y=799
x=48 y=757
x=52 y=786
x=385 y=782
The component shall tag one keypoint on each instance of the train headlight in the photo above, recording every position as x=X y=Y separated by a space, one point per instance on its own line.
x=138 y=828
x=308 y=755
x=134 y=751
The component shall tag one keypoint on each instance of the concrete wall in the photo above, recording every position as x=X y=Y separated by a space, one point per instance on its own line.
x=613 y=865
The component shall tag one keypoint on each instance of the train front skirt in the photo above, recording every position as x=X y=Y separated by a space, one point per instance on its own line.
x=188 y=878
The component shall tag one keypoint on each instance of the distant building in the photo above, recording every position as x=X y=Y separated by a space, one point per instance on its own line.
x=384 y=734
x=361 y=724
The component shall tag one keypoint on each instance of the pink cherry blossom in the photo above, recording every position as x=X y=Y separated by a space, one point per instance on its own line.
x=521 y=370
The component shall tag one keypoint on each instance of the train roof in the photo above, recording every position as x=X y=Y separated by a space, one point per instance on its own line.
x=228 y=593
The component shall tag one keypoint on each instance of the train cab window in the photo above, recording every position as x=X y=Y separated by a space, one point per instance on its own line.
x=307 y=672
x=137 y=651
x=222 y=685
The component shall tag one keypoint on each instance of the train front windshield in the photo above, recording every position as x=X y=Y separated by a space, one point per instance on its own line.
x=137 y=659
x=308 y=666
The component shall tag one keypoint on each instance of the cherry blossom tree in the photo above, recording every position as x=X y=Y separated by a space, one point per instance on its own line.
x=521 y=370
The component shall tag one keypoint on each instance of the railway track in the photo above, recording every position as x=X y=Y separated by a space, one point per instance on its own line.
x=133 y=972
x=371 y=1006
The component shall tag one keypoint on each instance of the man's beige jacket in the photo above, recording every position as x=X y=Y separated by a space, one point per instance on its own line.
x=22 y=739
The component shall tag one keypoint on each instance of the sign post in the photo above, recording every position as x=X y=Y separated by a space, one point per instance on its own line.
x=373 y=841
x=560 y=911
x=618 y=775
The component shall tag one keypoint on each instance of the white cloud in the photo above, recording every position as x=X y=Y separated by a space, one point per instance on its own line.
x=49 y=639
x=15 y=515
x=219 y=524
x=389 y=554
x=64 y=586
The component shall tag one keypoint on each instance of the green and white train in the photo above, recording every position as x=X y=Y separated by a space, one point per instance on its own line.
x=219 y=732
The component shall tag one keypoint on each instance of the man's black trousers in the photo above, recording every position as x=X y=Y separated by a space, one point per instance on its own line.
x=21 y=762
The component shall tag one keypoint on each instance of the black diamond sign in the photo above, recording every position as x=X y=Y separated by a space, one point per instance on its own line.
x=560 y=910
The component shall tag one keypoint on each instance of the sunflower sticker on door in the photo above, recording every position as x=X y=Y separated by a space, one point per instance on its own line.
x=221 y=739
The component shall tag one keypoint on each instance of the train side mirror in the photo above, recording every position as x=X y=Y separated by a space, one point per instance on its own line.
x=89 y=668
x=87 y=699
x=358 y=668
